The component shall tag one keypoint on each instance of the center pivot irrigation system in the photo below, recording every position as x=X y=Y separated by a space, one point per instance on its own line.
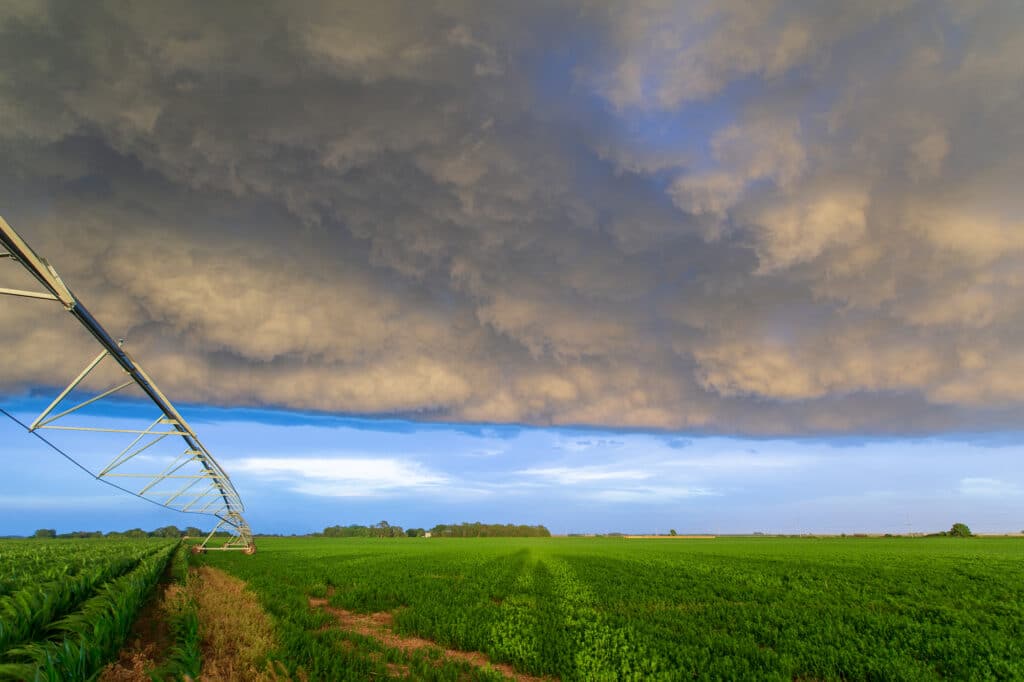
x=192 y=481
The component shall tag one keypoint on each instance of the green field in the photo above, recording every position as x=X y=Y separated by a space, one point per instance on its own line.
x=488 y=609
x=742 y=608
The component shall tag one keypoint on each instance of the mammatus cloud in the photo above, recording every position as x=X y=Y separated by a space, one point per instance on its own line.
x=753 y=217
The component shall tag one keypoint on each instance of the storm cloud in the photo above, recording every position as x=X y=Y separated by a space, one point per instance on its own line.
x=745 y=217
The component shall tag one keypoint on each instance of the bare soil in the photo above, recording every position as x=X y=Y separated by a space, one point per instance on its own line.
x=149 y=640
x=380 y=627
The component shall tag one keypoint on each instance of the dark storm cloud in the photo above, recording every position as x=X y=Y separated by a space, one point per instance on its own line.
x=754 y=217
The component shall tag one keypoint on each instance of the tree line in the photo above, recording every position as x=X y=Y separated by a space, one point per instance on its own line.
x=164 y=532
x=383 y=529
x=476 y=529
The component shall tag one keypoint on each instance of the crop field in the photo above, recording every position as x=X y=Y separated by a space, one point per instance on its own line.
x=66 y=605
x=613 y=609
x=523 y=608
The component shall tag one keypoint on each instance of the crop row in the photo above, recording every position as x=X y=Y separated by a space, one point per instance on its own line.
x=26 y=612
x=36 y=561
x=60 y=585
x=76 y=645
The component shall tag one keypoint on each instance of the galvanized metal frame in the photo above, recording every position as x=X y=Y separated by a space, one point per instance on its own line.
x=217 y=497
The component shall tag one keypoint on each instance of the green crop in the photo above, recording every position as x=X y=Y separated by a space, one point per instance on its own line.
x=24 y=614
x=79 y=610
x=614 y=609
x=579 y=609
x=184 y=659
x=24 y=563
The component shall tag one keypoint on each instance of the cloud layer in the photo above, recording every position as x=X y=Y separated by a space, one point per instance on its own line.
x=741 y=217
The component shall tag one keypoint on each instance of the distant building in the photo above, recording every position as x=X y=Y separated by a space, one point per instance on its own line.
x=427 y=534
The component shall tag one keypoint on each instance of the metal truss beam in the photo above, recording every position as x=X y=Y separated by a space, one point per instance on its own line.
x=218 y=498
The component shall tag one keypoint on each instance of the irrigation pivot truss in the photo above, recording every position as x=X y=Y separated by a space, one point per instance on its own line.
x=190 y=482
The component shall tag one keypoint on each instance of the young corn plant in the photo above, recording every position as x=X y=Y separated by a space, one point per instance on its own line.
x=82 y=642
x=25 y=613
x=184 y=659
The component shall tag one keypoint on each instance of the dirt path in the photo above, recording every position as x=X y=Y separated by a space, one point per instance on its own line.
x=148 y=642
x=379 y=626
x=235 y=632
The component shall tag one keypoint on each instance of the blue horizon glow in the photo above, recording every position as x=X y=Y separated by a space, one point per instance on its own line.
x=299 y=472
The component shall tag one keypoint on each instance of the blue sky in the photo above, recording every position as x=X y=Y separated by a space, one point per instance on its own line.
x=301 y=472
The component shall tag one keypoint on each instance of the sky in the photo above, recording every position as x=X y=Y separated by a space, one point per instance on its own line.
x=390 y=236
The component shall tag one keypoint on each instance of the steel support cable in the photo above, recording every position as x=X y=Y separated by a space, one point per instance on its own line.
x=101 y=479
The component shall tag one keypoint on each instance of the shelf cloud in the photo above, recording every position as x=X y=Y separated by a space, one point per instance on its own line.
x=739 y=217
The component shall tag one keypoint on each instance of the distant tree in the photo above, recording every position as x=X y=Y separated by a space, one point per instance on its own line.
x=415 y=532
x=136 y=533
x=45 y=533
x=192 y=531
x=960 y=530
x=673 y=532
x=167 y=532
x=495 y=530
x=378 y=530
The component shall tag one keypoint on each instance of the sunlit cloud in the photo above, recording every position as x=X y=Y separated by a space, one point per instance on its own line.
x=342 y=476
